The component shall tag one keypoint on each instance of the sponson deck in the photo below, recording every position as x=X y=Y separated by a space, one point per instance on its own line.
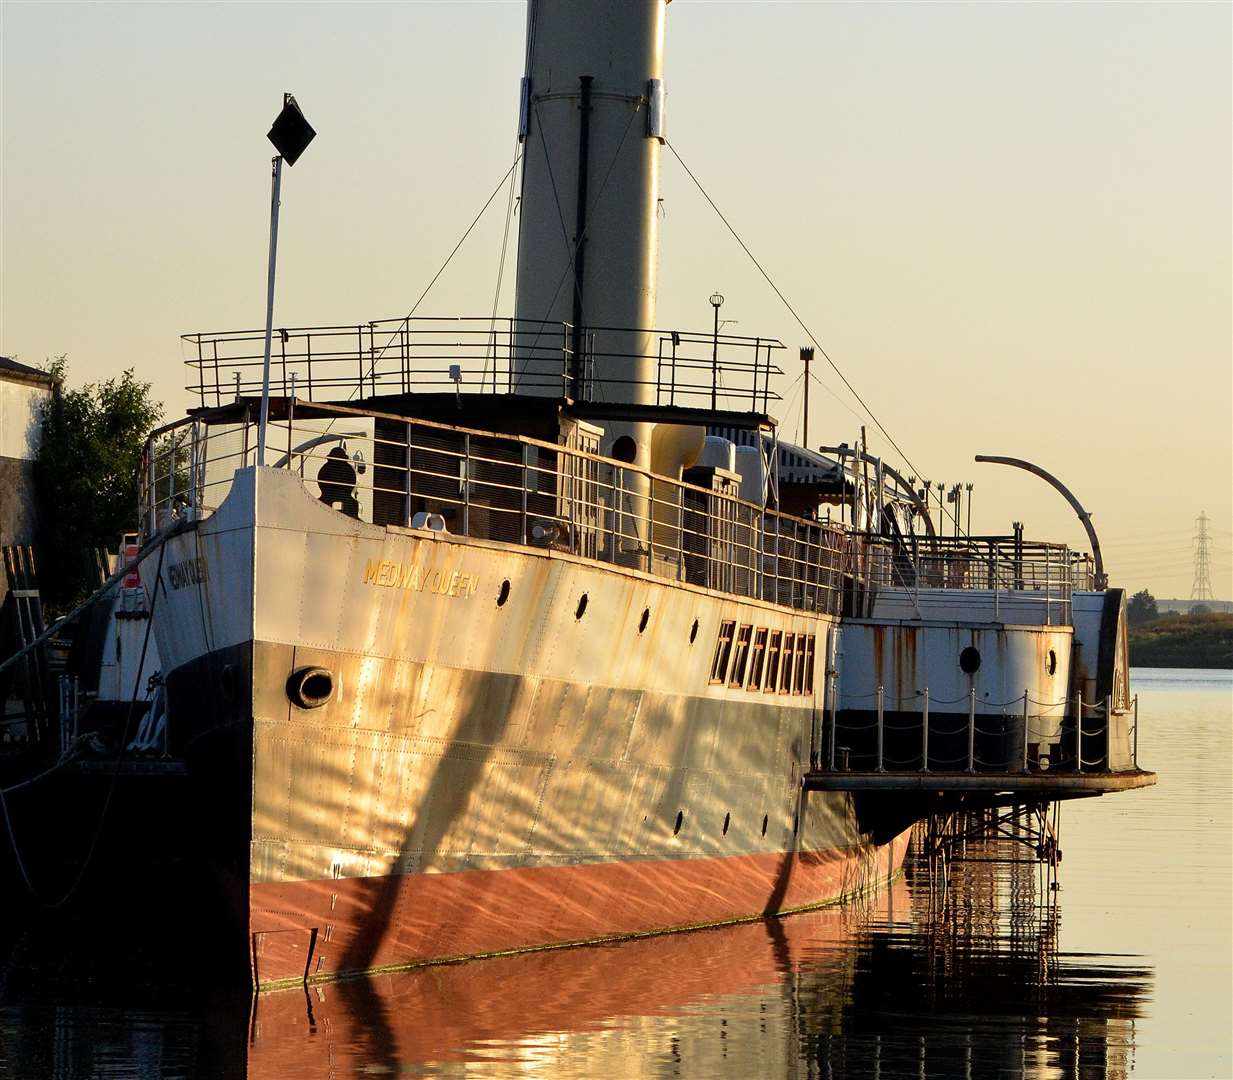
x=1029 y=786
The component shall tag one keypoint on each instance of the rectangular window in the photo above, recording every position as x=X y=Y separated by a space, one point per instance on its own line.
x=802 y=655
x=772 y=662
x=809 y=664
x=757 y=659
x=723 y=649
x=742 y=656
x=785 y=665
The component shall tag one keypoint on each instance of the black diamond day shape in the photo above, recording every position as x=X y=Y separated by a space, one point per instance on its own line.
x=291 y=133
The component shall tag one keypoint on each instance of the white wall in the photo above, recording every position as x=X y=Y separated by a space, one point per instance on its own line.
x=19 y=418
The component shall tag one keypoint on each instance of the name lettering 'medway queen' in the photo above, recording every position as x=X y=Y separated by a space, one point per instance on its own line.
x=415 y=578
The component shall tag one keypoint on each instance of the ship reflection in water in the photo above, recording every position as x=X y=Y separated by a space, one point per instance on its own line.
x=910 y=983
x=890 y=988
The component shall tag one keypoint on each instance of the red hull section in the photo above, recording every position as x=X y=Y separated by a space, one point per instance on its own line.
x=327 y=928
x=463 y=1013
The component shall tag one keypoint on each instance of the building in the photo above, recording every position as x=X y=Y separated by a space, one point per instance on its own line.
x=23 y=389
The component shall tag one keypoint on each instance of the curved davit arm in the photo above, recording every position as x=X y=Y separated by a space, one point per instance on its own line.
x=1086 y=518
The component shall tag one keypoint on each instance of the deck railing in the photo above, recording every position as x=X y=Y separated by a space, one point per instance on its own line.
x=390 y=470
x=486 y=355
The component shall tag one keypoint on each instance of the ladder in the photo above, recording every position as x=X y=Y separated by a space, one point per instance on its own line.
x=22 y=623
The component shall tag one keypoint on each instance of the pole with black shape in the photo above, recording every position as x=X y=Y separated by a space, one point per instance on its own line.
x=290 y=134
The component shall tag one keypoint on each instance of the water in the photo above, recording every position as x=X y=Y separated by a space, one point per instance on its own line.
x=1128 y=973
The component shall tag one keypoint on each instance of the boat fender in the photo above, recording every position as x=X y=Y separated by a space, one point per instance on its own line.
x=310 y=687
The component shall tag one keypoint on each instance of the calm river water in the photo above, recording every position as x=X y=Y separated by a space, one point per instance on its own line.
x=1127 y=974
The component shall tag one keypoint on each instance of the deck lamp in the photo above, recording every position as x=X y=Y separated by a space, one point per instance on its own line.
x=717 y=299
x=290 y=133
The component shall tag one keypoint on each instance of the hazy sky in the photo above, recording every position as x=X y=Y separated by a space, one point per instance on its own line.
x=1010 y=225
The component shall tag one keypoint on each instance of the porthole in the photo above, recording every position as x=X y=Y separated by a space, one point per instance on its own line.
x=765 y=822
x=503 y=595
x=625 y=449
x=969 y=660
x=727 y=822
x=693 y=632
x=582 y=606
x=310 y=687
x=646 y=618
x=1051 y=662
x=680 y=817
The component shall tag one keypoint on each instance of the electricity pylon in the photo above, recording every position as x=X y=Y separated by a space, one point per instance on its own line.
x=1201 y=589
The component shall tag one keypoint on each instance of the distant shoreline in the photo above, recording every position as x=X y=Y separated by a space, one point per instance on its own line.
x=1183 y=641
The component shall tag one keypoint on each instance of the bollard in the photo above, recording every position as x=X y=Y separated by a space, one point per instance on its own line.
x=881 y=700
x=972 y=730
x=924 y=752
x=1025 y=730
x=1079 y=731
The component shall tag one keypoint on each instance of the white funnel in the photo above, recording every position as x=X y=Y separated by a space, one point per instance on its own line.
x=617 y=47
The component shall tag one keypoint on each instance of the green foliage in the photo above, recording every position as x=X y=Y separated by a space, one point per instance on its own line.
x=1142 y=608
x=1184 y=641
x=86 y=476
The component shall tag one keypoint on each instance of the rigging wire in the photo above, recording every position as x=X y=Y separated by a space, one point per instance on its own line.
x=801 y=322
x=573 y=248
x=449 y=258
x=943 y=510
x=838 y=400
x=496 y=293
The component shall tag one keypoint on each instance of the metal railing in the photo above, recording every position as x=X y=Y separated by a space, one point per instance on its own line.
x=1041 y=574
x=486 y=355
x=1026 y=736
x=391 y=470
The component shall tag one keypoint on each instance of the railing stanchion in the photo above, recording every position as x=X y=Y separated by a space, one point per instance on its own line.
x=834 y=710
x=151 y=494
x=924 y=746
x=466 y=484
x=1079 y=731
x=972 y=730
x=881 y=710
x=171 y=474
x=1108 y=728
x=1134 y=750
x=193 y=450
x=526 y=453
x=1025 y=731
x=680 y=532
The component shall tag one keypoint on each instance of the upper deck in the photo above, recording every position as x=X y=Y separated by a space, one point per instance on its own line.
x=485 y=355
x=398 y=469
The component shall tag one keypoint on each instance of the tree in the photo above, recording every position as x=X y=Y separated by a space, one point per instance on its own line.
x=1142 y=607
x=86 y=476
x=1200 y=610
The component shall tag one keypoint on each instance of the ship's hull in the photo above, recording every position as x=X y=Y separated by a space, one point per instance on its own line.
x=488 y=774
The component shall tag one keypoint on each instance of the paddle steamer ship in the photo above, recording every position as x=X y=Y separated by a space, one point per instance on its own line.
x=532 y=631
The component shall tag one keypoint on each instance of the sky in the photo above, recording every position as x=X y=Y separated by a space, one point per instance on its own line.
x=1010 y=225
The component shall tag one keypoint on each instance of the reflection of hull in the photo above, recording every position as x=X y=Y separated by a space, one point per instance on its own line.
x=522 y=749
x=543 y=1007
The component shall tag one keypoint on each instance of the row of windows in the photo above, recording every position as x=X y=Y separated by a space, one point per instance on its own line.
x=757 y=659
